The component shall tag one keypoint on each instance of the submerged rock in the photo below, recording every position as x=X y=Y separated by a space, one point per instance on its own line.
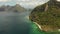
x=47 y=16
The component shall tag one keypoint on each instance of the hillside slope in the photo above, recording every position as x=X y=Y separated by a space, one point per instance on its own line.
x=15 y=8
x=47 y=16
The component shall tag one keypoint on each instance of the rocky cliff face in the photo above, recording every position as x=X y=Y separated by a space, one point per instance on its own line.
x=47 y=15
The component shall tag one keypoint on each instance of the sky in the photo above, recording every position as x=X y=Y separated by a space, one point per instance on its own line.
x=24 y=3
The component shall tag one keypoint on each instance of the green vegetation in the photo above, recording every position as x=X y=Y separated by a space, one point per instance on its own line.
x=18 y=8
x=47 y=15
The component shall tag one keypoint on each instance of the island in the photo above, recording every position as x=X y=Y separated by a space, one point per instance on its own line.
x=15 y=8
x=47 y=16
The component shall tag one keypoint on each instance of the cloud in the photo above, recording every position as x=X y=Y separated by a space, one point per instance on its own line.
x=58 y=0
x=30 y=3
x=24 y=3
x=5 y=0
x=29 y=0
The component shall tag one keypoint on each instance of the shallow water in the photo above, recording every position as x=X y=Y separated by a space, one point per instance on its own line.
x=17 y=23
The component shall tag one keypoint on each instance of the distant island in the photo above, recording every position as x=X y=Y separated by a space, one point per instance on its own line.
x=47 y=16
x=16 y=8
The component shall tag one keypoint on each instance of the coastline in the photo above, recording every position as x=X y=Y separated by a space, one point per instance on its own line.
x=39 y=26
x=46 y=28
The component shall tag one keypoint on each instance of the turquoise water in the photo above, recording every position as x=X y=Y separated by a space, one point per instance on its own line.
x=18 y=23
x=35 y=30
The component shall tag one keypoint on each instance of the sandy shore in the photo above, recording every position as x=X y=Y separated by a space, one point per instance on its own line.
x=38 y=25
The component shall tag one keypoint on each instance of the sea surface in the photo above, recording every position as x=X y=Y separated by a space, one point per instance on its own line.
x=18 y=23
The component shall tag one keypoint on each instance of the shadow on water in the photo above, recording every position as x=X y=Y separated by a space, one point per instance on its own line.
x=14 y=23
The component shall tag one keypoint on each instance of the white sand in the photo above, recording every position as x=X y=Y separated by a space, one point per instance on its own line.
x=38 y=25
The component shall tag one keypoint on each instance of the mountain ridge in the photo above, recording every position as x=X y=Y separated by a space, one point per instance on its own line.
x=16 y=8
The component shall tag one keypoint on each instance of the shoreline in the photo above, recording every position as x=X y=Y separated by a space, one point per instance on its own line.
x=46 y=28
x=38 y=25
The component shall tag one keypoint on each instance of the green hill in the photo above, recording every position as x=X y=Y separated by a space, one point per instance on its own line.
x=15 y=8
x=47 y=15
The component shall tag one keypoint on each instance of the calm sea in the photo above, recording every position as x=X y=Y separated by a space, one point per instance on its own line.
x=18 y=23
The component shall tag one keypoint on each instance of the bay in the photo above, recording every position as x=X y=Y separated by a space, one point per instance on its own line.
x=17 y=23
